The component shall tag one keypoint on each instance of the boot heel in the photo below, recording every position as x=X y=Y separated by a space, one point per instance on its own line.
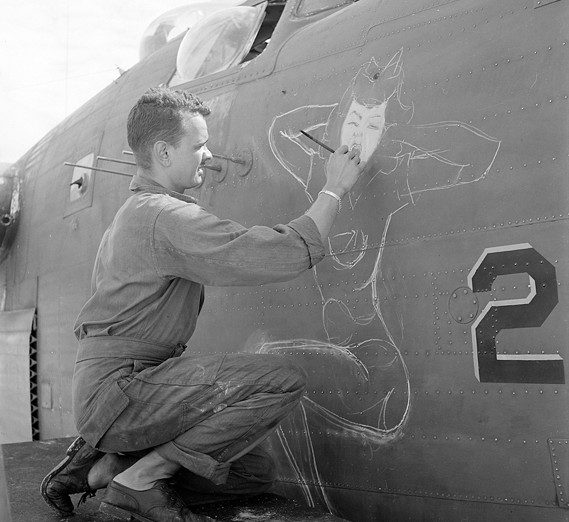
x=75 y=446
x=117 y=512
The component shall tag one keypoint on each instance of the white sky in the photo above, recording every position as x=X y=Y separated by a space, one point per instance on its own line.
x=56 y=54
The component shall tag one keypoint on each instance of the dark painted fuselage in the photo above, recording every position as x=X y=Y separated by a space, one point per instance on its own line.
x=434 y=332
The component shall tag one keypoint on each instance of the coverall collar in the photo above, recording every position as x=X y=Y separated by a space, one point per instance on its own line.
x=141 y=183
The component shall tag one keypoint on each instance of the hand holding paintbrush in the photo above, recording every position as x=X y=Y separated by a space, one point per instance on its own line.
x=318 y=142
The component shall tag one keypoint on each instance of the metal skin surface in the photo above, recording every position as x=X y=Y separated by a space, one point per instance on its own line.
x=434 y=332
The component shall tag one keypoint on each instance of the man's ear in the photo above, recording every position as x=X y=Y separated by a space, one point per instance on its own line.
x=161 y=151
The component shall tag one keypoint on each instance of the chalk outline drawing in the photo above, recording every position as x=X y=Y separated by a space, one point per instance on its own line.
x=404 y=153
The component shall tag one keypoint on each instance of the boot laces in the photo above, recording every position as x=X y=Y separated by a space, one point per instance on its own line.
x=89 y=493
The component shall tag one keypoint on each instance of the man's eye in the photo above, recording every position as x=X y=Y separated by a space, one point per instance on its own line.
x=373 y=127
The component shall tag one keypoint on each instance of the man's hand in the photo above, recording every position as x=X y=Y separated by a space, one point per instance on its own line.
x=343 y=170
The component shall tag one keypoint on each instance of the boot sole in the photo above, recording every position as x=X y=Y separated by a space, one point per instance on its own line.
x=125 y=514
x=120 y=513
x=76 y=445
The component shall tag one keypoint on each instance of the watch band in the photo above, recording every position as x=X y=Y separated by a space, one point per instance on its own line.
x=333 y=195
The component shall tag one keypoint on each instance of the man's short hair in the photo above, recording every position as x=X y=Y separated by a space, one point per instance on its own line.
x=158 y=116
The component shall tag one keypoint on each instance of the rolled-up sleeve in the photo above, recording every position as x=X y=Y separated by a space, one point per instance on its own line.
x=192 y=243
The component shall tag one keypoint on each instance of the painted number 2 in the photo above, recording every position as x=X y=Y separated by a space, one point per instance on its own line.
x=530 y=311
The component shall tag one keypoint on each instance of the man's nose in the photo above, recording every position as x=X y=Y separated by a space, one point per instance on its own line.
x=207 y=156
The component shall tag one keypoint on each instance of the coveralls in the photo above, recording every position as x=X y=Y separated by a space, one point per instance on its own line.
x=131 y=390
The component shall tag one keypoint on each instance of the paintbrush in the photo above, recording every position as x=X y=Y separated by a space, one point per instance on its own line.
x=318 y=142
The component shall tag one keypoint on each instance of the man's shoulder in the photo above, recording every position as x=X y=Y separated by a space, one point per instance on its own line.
x=141 y=210
x=160 y=211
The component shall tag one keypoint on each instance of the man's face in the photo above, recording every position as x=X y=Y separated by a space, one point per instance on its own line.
x=363 y=128
x=187 y=158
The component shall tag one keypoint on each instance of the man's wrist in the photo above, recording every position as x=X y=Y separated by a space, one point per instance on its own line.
x=330 y=194
x=336 y=190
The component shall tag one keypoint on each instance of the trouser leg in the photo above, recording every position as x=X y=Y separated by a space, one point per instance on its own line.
x=254 y=395
x=204 y=428
x=252 y=474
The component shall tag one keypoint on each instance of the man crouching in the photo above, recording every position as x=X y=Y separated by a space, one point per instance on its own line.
x=144 y=414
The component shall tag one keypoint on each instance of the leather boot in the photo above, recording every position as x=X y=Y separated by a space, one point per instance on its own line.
x=157 y=504
x=70 y=476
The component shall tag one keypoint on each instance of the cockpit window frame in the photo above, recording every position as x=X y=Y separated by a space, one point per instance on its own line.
x=234 y=30
x=234 y=69
x=340 y=4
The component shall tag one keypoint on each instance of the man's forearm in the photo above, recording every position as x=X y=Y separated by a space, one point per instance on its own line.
x=323 y=212
x=342 y=171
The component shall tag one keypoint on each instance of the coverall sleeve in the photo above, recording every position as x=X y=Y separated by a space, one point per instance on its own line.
x=194 y=244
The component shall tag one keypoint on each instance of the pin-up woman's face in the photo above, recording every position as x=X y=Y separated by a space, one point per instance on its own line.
x=363 y=127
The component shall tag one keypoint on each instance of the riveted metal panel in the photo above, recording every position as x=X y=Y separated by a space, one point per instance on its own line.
x=559 y=450
x=15 y=329
x=396 y=424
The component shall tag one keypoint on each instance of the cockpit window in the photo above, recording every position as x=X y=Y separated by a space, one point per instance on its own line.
x=176 y=21
x=218 y=42
x=311 y=7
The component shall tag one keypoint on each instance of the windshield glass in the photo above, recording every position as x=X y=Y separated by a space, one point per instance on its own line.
x=175 y=22
x=218 y=42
